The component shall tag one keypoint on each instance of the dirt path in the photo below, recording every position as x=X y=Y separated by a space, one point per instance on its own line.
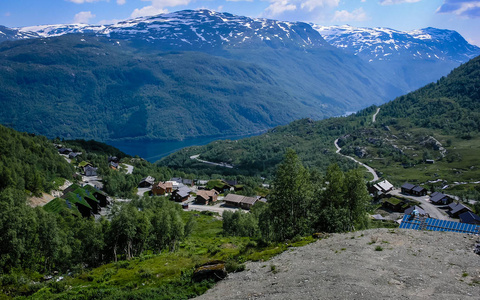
x=374 y=118
x=369 y=169
x=407 y=264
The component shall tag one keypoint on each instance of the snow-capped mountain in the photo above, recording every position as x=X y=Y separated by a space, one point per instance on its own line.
x=8 y=34
x=377 y=44
x=197 y=29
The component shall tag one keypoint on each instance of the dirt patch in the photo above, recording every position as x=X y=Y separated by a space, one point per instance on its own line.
x=372 y=264
x=40 y=201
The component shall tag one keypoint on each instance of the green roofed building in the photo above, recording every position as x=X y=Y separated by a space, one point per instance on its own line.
x=58 y=205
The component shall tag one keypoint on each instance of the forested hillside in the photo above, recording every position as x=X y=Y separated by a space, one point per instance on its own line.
x=404 y=135
x=77 y=86
x=29 y=162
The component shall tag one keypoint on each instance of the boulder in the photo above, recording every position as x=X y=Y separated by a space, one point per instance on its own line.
x=213 y=270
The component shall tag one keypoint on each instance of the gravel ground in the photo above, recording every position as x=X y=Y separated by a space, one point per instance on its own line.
x=411 y=265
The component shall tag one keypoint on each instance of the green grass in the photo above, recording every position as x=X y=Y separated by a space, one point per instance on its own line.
x=167 y=275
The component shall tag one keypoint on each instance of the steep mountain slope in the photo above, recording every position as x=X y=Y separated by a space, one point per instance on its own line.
x=417 y=57
x=8 y=34
x=439 y=122
x=124 y=81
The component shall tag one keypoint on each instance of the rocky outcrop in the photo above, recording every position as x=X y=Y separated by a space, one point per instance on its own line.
x=213 y=270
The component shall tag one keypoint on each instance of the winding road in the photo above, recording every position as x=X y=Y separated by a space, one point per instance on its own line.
x=374 y=118
x=369 y=169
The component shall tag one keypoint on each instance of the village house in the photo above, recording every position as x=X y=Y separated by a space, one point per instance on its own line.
x=73 y=155
x=419 y=191
x=181 y=195
x=381 y=189
x=206 y=197
x=240 y=201
x=101 y=196
x=393 y=204
x=469 y=218
x=407 y=188
x=146 y=182
x=90 y=171
x=113 y=165
x=114 y=159
x=416 y=190
x=456 y=209
x=181 y=181
x=65 y=151
x=162 y=188
x=438 y=198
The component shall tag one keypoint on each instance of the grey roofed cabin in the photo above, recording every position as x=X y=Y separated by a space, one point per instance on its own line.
x=469 y=218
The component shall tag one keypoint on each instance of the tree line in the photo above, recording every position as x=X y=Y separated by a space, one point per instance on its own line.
x=303 y=202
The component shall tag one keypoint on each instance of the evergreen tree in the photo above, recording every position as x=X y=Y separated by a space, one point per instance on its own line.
x=290 y=201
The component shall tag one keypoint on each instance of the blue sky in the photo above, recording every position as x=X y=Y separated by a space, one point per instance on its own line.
x=460 y=15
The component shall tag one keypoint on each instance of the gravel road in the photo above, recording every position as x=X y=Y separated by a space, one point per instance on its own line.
x=411 y=265
x=369 y=169
x=431 y=209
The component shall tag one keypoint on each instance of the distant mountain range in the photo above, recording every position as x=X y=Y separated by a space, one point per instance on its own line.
x=200 y=73
x=384 y=44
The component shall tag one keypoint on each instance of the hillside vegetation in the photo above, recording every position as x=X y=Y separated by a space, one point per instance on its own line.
x=398 y=144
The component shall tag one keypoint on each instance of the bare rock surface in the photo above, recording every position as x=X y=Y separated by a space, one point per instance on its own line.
x=371 y=264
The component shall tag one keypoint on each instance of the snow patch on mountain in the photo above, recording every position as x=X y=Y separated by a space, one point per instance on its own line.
x=201 y=28
x=376 y=44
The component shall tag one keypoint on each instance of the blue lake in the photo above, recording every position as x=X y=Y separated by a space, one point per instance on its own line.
x=155 y=150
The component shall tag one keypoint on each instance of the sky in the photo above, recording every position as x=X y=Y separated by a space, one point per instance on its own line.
x=460 y=15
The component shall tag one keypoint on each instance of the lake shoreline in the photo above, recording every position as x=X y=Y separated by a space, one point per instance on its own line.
x=154 y=150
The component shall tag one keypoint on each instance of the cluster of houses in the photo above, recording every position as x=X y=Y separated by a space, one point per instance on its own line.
x=180 y=191
x=68 y=152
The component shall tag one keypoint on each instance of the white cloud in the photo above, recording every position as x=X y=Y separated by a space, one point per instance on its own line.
x=391 y=2
x=310 y=5
x=7 y=14
x=358 y=15
x=121 y=2
x=278 y=7
x=83 y=17
x=148 y=11
x=461 y=8
x=157 y=7
x=239 y=0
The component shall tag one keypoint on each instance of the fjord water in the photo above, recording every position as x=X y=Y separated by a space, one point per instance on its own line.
x=154 y=150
